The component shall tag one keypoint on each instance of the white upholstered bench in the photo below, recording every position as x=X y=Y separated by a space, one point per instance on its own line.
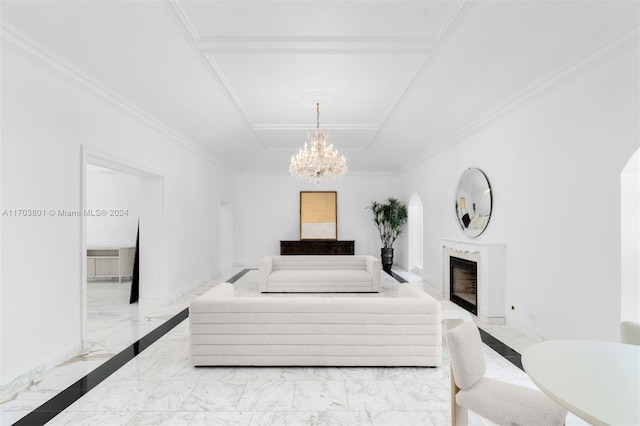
x=293 y=330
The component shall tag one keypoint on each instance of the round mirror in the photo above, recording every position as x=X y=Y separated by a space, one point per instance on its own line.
x=473 y=202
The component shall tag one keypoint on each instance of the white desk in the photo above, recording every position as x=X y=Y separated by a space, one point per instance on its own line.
x=597 y=381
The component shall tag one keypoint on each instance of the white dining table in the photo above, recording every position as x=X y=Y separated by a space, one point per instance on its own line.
x=597 y=381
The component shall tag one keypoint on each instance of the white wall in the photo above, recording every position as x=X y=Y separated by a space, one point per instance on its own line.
x=630 y=223
x=118 y=192
x=267 y=210
x=226 y=237
x=45 y=120
x=554 y=166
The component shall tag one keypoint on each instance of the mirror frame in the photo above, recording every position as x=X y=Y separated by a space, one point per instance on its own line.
x=472 y=187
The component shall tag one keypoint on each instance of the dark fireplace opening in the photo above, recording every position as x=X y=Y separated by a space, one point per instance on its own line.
x=463 y=283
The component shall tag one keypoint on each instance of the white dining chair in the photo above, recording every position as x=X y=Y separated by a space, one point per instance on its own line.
x=495 y=400
x=630 y=332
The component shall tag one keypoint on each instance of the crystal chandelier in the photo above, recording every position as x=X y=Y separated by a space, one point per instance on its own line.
x=320 y=162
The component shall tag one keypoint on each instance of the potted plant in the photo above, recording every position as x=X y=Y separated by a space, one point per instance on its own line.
x=390 y=218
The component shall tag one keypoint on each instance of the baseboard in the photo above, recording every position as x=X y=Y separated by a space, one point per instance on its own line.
x=27 y=377
x=491 y=320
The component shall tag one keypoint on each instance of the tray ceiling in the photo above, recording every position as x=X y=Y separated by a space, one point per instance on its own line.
x=397 y=79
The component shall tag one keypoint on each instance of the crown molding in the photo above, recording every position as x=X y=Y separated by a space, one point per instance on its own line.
x=184 y=25
x=222 y=80
x=294 y=150
x=403 y=90
x=255 y=127
x=626 y=39
x=450 y=20
x=310 y=44
x=37 y=53
x=257 y=44
x=304 y=128
x=271 y=173
x=227 y=86
x=324 y=126
x=184 y=20
x=457 y=13
x=209 y=45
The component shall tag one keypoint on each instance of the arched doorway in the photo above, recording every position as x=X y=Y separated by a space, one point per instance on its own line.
x=630 y=239
x=414 y=232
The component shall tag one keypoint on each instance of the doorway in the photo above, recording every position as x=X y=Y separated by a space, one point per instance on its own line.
x=152 y=246
x=114 y=206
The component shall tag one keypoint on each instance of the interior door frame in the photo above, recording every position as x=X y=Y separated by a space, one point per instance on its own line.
x=152 y=245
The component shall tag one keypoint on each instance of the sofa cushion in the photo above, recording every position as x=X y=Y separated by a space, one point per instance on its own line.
x=319 y=262
x=320 y=275
x=325 y=305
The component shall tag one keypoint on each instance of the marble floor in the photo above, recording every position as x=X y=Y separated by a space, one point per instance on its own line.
x=159 y=387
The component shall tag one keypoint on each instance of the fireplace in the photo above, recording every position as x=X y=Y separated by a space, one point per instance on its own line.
x=490 y=260
x=463 y=281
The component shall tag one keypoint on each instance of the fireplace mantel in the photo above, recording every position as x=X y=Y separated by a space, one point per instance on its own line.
x=490 y=257
x=468 y=245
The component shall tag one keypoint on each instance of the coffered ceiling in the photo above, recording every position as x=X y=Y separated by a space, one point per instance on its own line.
x=396 y=80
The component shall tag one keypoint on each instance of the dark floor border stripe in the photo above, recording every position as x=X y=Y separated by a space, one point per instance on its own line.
x=64 y=399
x=397 y=277
x=505 y=351
x=239 y=275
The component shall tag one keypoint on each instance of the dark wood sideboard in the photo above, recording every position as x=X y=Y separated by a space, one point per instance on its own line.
x=316 y=247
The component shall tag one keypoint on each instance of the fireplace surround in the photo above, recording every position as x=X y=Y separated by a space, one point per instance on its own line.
x=490 y=275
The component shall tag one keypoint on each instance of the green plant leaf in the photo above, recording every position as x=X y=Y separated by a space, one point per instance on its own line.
x=390 y=218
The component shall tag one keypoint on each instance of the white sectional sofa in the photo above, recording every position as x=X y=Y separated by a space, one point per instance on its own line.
x=319 y=274
x=320 y=330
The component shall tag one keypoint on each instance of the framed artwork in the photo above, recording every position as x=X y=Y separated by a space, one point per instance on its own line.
x=318 y=215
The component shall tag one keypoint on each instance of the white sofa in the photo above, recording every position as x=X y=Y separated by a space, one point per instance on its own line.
x=318 y=274
x=294 y=330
